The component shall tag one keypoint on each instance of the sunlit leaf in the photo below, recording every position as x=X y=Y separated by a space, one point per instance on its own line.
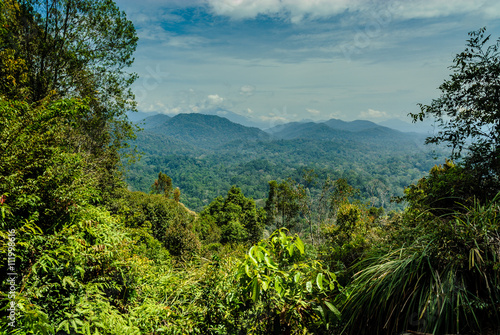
x=319 y=280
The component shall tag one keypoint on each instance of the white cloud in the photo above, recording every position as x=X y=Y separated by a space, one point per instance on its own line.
x=432 y=8
x=215 y=99
x=492 y=9
x=247 y=90
x=297 y=10
x=313 y=111
x=153 y=33
x=186 y=41
x=373 y=114
x=242 y=9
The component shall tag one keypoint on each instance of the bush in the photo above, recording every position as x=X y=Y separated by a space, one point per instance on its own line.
x=445 y=279
x=287 y=293
x=181 y=242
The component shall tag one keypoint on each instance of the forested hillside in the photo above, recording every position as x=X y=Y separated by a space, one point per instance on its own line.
x=204 y=161
x=83 y=254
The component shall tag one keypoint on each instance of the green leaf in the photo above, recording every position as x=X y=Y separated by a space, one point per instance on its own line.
x=75 y=327
x=333 y=309
x=250 y=252
x=278 y=285
x=322 y=312
x=319 y=281
x=255 y=289
x=265 y=282
x=300 y=245
x=297 y=276
x=247 y=270
x=309 y=286
x=268 y=262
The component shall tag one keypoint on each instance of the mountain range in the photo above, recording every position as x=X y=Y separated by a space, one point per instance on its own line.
x=425 y=127
x=211 y=131
x=206 y=154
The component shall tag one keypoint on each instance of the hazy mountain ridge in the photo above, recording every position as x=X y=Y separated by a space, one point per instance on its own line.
x=309 y=130
x=210 y=131
x=205 y=131
x=154 y=121
x=205 y=155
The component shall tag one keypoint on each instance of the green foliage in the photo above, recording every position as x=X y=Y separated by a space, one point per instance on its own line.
x=77 y=280
x=294 y=293
x=177 y=194
x=73 y=48
x=321 y=202
x=13 y=71
x=446 y=189
x=83 y=269
x=181 y=241
x=164 y=219
x=232 y=219
x=162 y=185
x=443 y=280
x=283 y=204
x=468 y=112
x=40 y=177
x=347 y=241
x=348 y=216
x=51 y=51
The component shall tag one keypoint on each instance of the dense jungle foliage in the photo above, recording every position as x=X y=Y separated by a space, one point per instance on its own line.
x=82 y=254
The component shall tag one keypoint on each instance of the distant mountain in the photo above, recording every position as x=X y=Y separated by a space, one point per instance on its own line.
x=206 y=154
x=308 y=130
x=425 y=127
x=237 y=118
x=206 y=131
x=359 y=130
x=138 y=116
x=354 y=126
x=154 y=121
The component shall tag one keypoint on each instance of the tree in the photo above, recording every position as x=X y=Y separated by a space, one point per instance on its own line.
x=236 y=216
x=58 y=49
x=283 y=204
x=42 y=181
x=177 y=194
x=73 y=48
x=13 y=69
x=468 y=111
x=162 y=185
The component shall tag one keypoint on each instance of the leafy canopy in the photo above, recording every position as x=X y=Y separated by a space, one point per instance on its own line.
x=468 y=110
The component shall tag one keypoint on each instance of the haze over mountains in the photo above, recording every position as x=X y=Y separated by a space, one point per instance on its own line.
x=199 y=128
x=211 y=131
x=425 y=127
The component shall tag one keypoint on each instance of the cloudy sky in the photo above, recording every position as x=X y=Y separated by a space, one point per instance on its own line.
x=287 y=60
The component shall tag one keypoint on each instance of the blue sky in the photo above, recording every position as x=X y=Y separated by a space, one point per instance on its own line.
x=288 y=60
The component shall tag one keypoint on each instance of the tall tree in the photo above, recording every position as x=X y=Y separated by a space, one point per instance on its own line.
x=468 y=111
x=283 y=204
x=55 y=49
x=236 y=216
x=320 y=207
x=162 y=185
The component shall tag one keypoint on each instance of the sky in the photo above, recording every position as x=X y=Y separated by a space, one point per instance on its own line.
x=288 y=60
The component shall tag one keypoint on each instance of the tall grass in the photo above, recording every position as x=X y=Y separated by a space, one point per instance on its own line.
x=444 y=281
